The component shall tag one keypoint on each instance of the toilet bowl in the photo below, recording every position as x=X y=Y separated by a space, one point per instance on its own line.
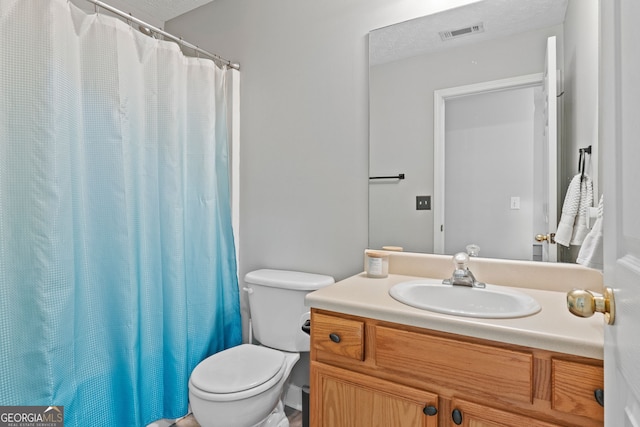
x=241 y=387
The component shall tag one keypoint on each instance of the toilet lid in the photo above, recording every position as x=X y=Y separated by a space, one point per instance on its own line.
x=238 y=368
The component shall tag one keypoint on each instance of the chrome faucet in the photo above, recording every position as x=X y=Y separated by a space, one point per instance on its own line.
x=462 y=276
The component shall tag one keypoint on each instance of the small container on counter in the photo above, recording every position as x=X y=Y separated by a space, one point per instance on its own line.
x=376 y=264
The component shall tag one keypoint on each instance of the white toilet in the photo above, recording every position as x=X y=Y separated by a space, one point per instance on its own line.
x=242 y=386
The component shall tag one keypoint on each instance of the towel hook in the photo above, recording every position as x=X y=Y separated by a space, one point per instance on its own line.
x=581 y=160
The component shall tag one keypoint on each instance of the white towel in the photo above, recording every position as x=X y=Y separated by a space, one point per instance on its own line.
x=572 y=228
x=591 y=254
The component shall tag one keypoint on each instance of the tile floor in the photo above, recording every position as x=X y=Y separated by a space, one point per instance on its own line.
x=295 y=419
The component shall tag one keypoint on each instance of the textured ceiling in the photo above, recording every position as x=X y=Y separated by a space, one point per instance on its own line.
x=499 y=17
x=164 y=10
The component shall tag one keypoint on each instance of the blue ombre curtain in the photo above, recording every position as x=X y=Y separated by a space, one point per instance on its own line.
x=117 y=261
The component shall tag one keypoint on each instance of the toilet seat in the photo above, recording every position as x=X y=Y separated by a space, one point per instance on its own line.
x=238 y=373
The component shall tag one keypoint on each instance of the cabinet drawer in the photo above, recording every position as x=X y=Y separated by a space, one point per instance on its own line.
x=336 y=335
x=573 y=386
x=464 y=366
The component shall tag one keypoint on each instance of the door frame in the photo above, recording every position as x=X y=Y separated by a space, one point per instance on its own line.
x=440 y=97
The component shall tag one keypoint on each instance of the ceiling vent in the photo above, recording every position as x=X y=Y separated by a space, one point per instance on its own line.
x=461 y=32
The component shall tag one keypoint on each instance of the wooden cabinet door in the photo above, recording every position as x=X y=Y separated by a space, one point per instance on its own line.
x=476 y=415
x=343 y=398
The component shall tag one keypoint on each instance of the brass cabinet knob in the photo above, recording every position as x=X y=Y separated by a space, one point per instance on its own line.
x=551 y=238
x=583 y=303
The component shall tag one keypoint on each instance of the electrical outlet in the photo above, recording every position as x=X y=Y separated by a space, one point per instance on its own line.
x=423 y=203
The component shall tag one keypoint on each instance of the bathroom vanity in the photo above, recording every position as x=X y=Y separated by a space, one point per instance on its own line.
x=376 y=361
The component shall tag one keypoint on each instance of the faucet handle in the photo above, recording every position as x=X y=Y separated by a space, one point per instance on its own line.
x=473 y=249
x=460 y=260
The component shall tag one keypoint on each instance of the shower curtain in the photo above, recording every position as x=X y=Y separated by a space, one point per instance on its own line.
x=117 y=261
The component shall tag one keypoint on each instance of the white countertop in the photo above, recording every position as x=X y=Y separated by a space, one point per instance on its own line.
x=553 y=328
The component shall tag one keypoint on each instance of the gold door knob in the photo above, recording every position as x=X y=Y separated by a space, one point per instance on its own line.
x=584 y=303
x=546 y=237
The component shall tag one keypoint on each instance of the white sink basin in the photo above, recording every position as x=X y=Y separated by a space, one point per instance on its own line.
x=491 y=302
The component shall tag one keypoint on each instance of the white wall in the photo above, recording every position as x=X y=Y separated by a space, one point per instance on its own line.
x=580 y=87
x=580 y=99
x=304 y=122
x=401 y=97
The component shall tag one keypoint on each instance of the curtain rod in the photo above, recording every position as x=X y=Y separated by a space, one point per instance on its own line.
x=153 y=29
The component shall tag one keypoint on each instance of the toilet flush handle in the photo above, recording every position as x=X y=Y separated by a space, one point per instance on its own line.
x=306 y=328
x=248 y=290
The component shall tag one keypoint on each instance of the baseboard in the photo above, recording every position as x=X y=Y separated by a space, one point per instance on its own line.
x=292 y=396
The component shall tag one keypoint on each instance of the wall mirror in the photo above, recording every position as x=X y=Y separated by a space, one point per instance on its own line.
x=413 y=63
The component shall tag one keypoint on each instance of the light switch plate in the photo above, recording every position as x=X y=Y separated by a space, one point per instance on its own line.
x=515 y=202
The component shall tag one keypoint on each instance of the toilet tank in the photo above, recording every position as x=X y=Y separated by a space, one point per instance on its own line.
x=276 y=304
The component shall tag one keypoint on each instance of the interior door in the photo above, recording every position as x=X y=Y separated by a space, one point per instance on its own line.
x=550 y=148
x=489 y=173
x=619 y=136
x=543 y=206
